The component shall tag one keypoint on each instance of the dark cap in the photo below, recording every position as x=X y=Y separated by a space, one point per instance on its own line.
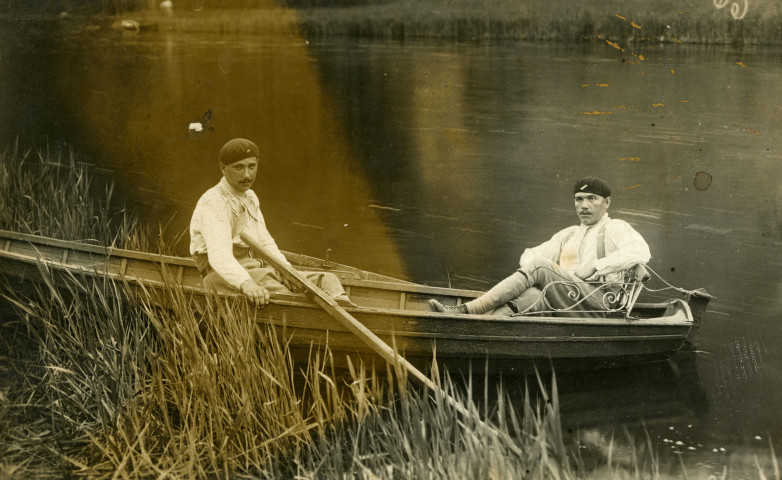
x=236 y=150
x=592 y=185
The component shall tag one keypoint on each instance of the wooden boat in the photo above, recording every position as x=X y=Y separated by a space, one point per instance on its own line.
x=398 y=312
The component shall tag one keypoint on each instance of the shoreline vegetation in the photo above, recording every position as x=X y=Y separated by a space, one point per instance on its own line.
x=703 y=22
x=101 y=381
x=48 y=195
x=98 y=380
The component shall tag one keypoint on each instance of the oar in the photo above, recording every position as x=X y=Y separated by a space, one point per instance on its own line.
x=330 y=306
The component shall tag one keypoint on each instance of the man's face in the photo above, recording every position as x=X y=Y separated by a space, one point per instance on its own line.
x=241 y=174
x=590 y=208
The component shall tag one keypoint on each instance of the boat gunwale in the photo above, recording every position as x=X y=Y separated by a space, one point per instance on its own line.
x=351 y=276
x=295 y=300
x=159 y=258
x=405 y=286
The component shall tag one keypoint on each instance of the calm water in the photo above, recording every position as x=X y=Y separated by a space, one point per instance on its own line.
x=442 y=162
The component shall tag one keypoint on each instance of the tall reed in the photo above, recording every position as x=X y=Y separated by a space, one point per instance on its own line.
x=162 y=383
x=106 y=380
x=48 y=195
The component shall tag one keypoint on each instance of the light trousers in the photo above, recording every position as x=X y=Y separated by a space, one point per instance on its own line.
x=523 y=289
x=270 y=279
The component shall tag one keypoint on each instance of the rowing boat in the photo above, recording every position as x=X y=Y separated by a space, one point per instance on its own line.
x=397 y=311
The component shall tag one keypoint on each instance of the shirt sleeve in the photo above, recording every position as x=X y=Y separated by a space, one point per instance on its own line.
x=550 y=249
x=625 y=247
x=266 y=240
x=216 y=232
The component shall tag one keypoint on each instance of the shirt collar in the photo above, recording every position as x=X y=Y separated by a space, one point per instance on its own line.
x=599 y=224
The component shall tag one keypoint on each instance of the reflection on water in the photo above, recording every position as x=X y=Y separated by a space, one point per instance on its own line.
x=440 y=162
x=649 y=394
x=661 y=392
x=635 y=416
x=663 y=411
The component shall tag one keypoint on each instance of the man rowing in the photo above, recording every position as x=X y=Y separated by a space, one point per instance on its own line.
x=575 y=268
x=226 y=210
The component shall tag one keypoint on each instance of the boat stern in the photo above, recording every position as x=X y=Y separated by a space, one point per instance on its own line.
x=698 y=300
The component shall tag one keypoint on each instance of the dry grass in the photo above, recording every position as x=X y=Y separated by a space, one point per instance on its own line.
x=163 y=384
x=102 y=380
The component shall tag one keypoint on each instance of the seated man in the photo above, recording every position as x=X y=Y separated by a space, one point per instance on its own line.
x=226 y=210
x=600 y=250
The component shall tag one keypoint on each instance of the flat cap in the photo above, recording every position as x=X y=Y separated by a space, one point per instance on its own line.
x=236 y=150
x=592 y=185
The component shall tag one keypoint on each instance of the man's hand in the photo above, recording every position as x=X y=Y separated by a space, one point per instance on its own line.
x=255 y=293
x=288 y=284
x=585 y=270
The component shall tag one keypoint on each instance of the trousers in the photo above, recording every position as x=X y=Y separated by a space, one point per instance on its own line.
x=524 y=291
x=271 y=280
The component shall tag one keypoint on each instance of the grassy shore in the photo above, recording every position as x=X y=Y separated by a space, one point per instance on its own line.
x=688 y=21
x=626 y=21
x=100 y=381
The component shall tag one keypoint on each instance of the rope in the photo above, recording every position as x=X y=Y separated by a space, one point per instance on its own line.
x=669 y=287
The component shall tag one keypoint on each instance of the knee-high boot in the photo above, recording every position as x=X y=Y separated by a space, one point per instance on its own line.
x=500 y=294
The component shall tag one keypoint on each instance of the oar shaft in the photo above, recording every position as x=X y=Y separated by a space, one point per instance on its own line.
x=336 y=311
x=359 y=330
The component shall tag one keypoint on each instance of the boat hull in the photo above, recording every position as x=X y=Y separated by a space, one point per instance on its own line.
x=478 y=342
x=393 y=309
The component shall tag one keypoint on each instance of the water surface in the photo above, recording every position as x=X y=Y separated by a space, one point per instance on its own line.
x=441 y=162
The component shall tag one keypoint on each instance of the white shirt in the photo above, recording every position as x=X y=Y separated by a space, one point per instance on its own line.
x=624 y=247
x=220 y=215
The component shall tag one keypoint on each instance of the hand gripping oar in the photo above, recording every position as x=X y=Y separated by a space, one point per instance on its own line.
x=330 y=306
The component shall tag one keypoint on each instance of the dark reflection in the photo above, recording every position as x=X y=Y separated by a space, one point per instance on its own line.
x=365 y=105
x=65 y=93
x=31 y=89
x=661 y=391
x=644 y=416
x=610 y=398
